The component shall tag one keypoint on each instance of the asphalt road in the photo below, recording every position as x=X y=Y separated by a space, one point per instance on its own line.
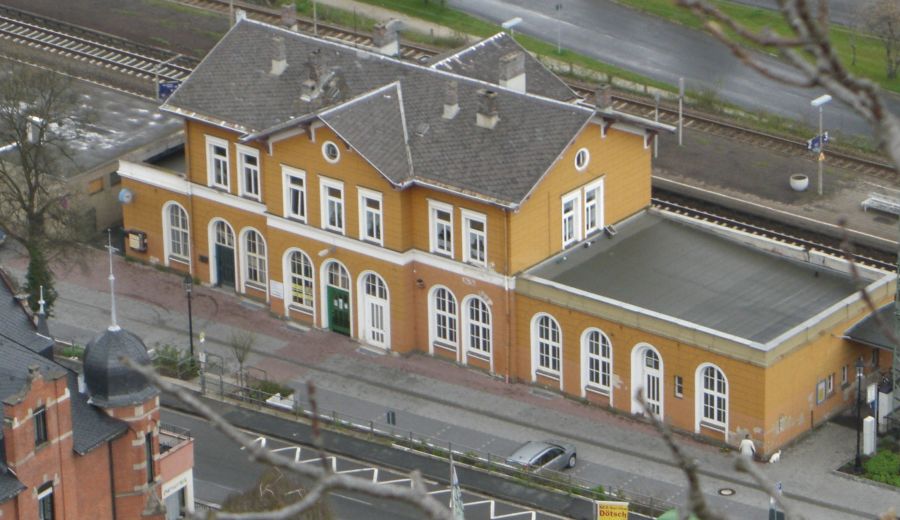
x=221 y=468
x=841 y=12
x=664 y=51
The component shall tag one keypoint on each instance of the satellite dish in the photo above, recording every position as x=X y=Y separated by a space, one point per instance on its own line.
x=126 y=196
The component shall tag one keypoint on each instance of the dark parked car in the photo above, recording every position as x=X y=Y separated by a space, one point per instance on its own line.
x=538 y=455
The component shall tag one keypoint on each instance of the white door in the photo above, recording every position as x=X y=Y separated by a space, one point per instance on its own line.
x=375 y=307
x=652 y=381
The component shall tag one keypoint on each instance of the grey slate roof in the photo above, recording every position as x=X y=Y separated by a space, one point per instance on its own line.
x=110 y=382
x=233 y=87
x=90 y=425
x=18 y=327
x=869 y=333
x=482 y=61
x=694 y=275
x=9 y=486
x=375 y=126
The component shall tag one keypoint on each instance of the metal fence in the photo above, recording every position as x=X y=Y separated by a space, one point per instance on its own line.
x=406 y=439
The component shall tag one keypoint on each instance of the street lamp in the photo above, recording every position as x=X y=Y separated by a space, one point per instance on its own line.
x=819 y=103
x=188 y=288
x=857 y=466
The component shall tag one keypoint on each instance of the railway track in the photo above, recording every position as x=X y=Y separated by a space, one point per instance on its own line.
x=412 y=52
x=98 y=49
x=147 y=62
x=756 y=225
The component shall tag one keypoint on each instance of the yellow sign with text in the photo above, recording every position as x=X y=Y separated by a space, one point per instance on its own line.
x=612 y=510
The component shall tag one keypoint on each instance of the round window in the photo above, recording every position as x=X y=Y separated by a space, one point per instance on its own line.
x=581 y=159
x=331 y=152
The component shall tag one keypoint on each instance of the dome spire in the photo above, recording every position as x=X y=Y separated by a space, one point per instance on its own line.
x=112 y=283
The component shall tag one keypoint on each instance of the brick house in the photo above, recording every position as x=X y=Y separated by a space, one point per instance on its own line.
x=476 y=209
x=76 y=447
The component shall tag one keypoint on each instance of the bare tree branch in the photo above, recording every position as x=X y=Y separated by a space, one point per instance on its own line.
x=696 y=499
x=416 y=496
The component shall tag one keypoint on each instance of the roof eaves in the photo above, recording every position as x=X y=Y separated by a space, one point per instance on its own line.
x=284 y=125
x=431 y=183
x=631 y=118
x=466 y=50
x=206 y=119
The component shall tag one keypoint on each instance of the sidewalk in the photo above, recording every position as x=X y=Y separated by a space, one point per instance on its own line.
x=452 y=403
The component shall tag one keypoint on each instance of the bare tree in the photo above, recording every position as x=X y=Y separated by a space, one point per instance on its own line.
x=275 y=490
x=324 y=480
x=241 y=343
x=40 y=115
x=882 y=19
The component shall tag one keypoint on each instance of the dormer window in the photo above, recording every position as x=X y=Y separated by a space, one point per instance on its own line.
x=331 y=152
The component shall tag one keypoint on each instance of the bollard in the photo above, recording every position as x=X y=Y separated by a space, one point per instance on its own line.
x=868 y=435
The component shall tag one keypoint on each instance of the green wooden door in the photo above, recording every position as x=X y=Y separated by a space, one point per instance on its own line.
x=339 y=310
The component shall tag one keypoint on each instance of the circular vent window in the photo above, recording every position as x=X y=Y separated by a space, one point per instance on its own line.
x=331 y=152
x=581 y=159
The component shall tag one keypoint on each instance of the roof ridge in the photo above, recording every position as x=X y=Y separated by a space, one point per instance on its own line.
x=403 y=63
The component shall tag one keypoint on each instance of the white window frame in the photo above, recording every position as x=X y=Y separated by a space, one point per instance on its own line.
x=604 y=362
x=554 y=349
x=211 y=161
x=597 y=187
x=242 y=153
x=715 y=394
x=263 y=265
x=468 y=217
x=477 y=333
x=587 y=159
x=364 y=212
x=43 y=494
x=433 y=207
x=844 y=371
x=286 y=174
x=170 y=231
x=324 y=185
x=575 y=215
x=307 y=283
x=449 y=338
x=325 y=145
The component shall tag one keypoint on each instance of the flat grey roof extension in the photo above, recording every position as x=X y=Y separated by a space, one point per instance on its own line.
x=683 y=272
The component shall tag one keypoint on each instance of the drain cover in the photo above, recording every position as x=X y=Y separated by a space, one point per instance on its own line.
x=726 y=492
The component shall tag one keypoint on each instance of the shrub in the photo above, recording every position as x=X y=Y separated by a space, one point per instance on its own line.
x=884 y=467
x=73 y=351
x=171 y=361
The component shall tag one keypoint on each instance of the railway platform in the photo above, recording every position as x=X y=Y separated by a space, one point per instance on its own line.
x=757 y=181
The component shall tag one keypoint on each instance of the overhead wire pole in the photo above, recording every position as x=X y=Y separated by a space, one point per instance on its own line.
x=558 y=29
x=656 y=118
x=680 y=111
x=820 y=103
x=315 y=19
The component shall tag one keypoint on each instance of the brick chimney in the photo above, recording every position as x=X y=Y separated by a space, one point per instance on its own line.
x=279 y=59
x=386 y=37
x=512 y=71
x=451 y=100
x=486 y=116
x=603 y=96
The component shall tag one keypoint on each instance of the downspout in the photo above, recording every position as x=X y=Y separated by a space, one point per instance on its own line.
x=112 y=480
x=510 y=334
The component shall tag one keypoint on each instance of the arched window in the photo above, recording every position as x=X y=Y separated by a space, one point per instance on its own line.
x=178 y=238
x=478 y=326
x=597 y=359
x=444 y=305
x=547 y=342
x=375 y=286
x=714 y=395
x=301 y=269
x=337 y=276
x=255 y=257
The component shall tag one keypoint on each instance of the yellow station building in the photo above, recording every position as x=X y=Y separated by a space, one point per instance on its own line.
x=477 y=210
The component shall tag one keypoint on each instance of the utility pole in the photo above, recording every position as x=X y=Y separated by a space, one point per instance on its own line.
x=315 y=20
x=558 y=28
x=820 y=103
x=656 y=118
x=680 y=111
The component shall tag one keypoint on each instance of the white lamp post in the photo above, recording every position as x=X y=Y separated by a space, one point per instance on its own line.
x=819 y=103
